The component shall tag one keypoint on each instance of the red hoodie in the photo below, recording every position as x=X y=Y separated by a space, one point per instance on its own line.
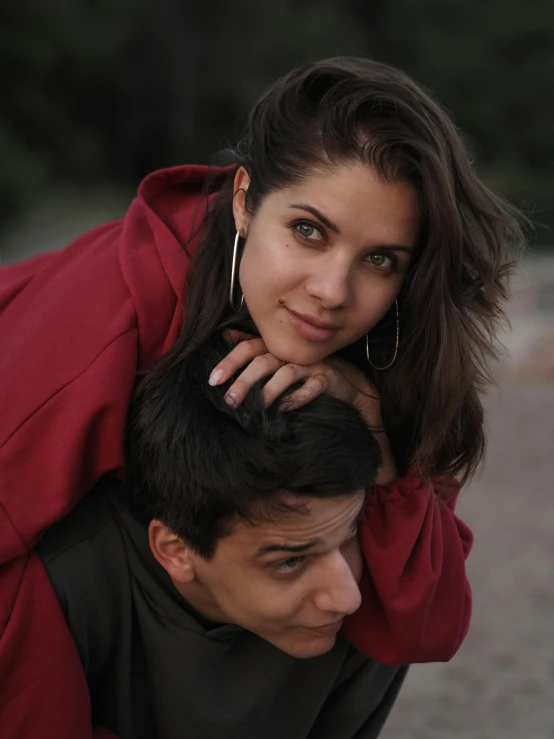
x=74 y=327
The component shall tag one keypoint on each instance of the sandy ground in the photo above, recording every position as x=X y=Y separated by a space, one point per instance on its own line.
x=501 y=683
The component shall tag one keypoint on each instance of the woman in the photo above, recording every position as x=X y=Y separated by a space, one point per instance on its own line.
x=350 y=238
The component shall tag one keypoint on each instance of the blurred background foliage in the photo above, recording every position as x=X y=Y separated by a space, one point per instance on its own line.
x=97 y=93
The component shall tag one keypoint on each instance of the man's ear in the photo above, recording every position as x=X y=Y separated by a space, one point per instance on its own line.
x=240 y=186
x=171 y=552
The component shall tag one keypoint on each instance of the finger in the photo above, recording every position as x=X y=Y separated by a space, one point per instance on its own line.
x=283 y=378
x=260 y=367
x=240 y=355
x=289 y=375
x=314 y=386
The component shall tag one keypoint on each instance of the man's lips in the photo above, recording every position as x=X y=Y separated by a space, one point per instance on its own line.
x=312 y=328
x=328 y=629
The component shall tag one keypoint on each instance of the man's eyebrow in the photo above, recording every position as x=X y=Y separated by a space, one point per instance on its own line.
x=318 y=214
x=291 y=548
x=332 y=227
x=300 y=548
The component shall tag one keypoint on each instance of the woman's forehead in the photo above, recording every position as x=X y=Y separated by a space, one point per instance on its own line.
x=355 y=194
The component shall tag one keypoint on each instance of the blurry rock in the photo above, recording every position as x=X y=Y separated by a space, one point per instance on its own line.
x=530 y=343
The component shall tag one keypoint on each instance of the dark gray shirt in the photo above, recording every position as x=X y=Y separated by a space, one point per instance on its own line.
x=156 y=669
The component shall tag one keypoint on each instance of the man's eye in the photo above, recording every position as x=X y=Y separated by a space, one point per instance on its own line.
x=308 y=231
x=289 y=565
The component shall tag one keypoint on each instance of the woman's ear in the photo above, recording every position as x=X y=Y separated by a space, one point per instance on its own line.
x=240 y=186
x=171 y=552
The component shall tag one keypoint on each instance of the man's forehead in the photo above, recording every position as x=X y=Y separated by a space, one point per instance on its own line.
x=315 y=519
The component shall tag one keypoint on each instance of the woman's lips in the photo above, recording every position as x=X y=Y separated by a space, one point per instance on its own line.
x=306 y=326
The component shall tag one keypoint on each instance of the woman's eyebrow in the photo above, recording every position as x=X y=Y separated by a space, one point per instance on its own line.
x=318 y=214
x=335 y=229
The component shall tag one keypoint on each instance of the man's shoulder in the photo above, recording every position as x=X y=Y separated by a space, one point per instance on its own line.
x=86 y=562
x=84 y=554
x=89 y=523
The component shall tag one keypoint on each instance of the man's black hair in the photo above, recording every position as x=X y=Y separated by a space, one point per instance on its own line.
x=198 y=465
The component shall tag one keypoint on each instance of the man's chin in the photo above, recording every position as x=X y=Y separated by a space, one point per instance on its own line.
x=306 y=649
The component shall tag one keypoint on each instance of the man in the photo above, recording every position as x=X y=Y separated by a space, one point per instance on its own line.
x=206 y=595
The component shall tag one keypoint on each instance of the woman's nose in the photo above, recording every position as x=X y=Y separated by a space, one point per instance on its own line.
x=329 y=283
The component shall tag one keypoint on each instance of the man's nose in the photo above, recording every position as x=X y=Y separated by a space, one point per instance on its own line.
x=339 y=592
x=330 y=284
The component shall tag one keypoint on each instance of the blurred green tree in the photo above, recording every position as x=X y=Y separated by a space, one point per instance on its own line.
x=98 y=91
x=492 y=64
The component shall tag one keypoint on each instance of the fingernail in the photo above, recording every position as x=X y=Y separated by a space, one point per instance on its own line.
x=215 y=377
x=231 y=399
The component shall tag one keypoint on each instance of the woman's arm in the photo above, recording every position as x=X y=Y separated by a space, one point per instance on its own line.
x=416 y=599
x=43 y=689
x=74 y=327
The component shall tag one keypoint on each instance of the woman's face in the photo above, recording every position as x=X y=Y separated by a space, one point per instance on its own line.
x=324 y=259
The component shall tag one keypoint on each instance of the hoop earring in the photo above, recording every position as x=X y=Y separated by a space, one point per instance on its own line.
x=395 y=347
x=233 y=272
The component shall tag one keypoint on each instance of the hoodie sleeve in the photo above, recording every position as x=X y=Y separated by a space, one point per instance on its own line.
x=75 y=326
x=43 y=689
x=416 y=599
x=69 y=357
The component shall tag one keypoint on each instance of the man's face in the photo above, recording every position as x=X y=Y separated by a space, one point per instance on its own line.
x=291 y=581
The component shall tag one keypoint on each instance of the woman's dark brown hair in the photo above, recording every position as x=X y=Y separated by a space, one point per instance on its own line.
x=355 y=110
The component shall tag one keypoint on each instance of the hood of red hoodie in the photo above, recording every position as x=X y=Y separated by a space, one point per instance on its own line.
x=76 y=325
x=65 y=308
x=159 y=235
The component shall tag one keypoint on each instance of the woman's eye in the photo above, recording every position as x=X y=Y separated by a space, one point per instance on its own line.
x=308 y=231
x=381 y=260
x=289 y=565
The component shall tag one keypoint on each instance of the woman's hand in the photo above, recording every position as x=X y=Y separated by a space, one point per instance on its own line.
x=332 y=376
